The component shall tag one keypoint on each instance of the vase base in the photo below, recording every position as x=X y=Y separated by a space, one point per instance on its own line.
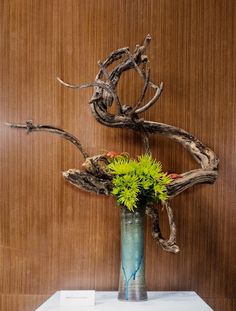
x=130 y=300
x=133 y=297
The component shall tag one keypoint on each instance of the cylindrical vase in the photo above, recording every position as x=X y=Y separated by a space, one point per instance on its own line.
x=132 y=269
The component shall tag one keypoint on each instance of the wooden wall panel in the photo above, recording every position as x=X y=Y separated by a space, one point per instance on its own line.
x=53 y=236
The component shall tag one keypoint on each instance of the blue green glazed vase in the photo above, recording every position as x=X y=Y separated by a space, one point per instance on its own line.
x=132 y=269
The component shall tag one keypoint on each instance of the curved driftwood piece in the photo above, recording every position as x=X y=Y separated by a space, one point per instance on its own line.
x=170 y=244
x=30 y=127
x=189 y=179
x=88 y=182
x=91 y=164
x=95 y=178
x=129 y=118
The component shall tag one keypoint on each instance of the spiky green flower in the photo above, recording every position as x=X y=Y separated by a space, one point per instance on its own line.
x=138 y=181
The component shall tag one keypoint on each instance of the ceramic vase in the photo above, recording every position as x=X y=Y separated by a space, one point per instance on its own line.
x=132 y=268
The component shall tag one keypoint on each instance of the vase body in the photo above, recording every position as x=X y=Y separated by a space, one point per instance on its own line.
x=132 y=269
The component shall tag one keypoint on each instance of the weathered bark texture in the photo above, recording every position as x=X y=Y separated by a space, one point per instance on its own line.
x=94 y=178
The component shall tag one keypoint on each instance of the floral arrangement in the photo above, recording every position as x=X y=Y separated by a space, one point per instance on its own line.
x=138 y=182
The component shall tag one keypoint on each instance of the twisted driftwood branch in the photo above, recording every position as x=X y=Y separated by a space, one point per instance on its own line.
x=170 y=244
x=30 y=127
x=189 y=179
x=153 y=100
x=92 y=164
x=88 y=182
x=95 y=178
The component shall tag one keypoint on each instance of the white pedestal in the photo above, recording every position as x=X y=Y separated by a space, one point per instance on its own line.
x=157 y=301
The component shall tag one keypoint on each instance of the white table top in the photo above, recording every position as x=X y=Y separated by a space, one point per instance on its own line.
x=157 y=301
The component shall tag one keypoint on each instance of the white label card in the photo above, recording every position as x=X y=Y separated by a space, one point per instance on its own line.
x=76 y=298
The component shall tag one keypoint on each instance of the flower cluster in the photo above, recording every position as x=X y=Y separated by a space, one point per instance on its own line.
x=138 y=182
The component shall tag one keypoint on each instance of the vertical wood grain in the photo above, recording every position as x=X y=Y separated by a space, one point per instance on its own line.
x=54 y=236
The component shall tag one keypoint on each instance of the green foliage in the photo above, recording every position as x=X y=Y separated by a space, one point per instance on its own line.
x=138 y=181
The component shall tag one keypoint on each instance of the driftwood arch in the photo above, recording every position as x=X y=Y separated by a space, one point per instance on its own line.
x=94 y=178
